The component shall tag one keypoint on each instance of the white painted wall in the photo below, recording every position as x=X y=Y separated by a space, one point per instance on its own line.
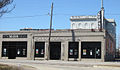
x=84 y=25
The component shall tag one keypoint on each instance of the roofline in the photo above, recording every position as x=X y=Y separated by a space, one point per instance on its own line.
x=111 y=21
x=90 y=17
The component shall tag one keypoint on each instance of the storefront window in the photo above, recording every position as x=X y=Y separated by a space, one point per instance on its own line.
x=20 y=49
x=39 y=49
x=91 y=50
x=73 y=49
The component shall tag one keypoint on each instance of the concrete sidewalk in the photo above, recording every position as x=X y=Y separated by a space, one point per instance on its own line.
x=62 y=65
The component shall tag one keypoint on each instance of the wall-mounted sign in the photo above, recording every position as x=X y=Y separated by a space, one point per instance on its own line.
x=15 y=36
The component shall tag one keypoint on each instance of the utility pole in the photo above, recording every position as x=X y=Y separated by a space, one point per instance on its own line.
x=102 y=4
x=102 y=15
x=50 y=32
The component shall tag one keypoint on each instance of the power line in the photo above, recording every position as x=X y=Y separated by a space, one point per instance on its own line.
x=26 y=16
x=80 y=14
x=112 y=14
x=63 y=14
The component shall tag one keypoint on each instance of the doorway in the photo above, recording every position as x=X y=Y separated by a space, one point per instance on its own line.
x=12 y=52
x=55 y=50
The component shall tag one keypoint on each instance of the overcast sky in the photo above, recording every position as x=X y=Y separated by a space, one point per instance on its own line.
x=33 y=13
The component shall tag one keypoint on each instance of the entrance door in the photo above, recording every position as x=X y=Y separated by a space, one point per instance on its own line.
x=55 y=50
x=12 y=53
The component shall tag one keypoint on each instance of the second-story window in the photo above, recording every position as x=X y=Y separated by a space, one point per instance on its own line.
x=85 y=26
x=79 y=25
x=92 y=26
x=73 y=25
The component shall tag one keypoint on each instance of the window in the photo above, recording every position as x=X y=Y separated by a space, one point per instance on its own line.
x=92 y=26
x=17 y=49
x=73 y=25
x=39 y=49
x=85 y=25
x=91 y=50
x=73 y=50
x=79 y=25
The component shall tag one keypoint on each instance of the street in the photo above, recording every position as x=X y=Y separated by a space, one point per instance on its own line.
x=61 y=65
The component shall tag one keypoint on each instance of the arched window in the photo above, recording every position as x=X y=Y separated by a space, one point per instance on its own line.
x=85 y=26
x=73 y=25
x=79 y=25
x=92 y=26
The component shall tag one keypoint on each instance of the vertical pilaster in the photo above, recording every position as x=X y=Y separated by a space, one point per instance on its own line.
x=79 y=53
x=62 y=50
x=103 y=50
x=32 y=48
x=66 y=51
x=46 y=51
x=29 y=47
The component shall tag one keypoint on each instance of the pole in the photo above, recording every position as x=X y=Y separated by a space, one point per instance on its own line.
x=50 y=32
x=119 y=46
x=102 y=15
x=102 y=4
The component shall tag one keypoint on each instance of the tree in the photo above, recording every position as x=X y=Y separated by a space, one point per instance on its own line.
x=3 y=6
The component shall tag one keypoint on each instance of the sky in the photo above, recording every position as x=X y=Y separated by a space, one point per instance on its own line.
x=34 y=13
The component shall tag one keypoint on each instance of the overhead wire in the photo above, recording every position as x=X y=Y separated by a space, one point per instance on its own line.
x=26 y=16
x=112 y=14
x=31 y=16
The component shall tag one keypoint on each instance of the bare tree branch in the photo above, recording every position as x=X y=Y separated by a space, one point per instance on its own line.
x=3 y=5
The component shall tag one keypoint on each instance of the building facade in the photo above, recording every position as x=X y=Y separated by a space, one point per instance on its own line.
x=64 y=45
x=69 y=44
